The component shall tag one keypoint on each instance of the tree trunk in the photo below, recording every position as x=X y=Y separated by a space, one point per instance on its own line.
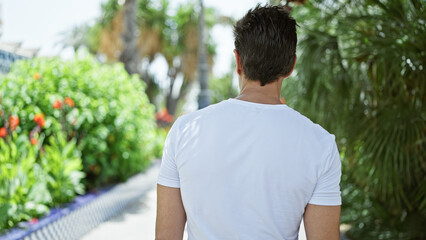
x=130 y=56
x=172 y=102
x=204 y=97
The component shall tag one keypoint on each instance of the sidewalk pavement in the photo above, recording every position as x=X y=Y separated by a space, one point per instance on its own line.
x=138 y=219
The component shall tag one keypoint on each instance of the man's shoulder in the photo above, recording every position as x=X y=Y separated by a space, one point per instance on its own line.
x=292 y=117
x=306 y=121
x=197 y=115
x=308 y=128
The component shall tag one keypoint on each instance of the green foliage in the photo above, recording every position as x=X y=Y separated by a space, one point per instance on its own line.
x=161 y=134
x=111 y=119
x=185 y=23
x=62 y=162
x=174 y=30
x=222 y=88
x=360 y=74
x=152 y=13
x=109 y=9
x=92 y=38
x=32 y=180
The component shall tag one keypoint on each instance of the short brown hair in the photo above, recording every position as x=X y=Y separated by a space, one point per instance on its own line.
x=265 y=39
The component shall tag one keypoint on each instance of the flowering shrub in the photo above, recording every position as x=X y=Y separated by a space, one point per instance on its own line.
x=100 y=107
x=32 y=178
x=60 y=118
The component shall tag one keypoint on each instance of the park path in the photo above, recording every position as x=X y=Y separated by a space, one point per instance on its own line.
x=137 y=221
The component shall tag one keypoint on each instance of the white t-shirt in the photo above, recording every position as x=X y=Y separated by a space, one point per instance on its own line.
x=247 y=170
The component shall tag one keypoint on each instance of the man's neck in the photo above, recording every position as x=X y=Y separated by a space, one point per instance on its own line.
x=252 y=91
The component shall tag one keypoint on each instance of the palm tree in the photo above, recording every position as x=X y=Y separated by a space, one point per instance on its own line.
x=174 y=37
x=360 y=74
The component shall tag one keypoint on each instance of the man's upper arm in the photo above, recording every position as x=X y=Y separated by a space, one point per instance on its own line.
x=322 y=222
x=327 y=189
x=322 y=213
x=171 y=216
x=169 y=174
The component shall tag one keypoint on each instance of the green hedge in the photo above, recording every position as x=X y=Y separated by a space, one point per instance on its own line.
x=98 y=111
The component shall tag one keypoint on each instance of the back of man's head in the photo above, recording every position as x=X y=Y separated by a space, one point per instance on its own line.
x=265 y=39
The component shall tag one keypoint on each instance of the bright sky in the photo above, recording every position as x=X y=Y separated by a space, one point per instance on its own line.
x=38 y=24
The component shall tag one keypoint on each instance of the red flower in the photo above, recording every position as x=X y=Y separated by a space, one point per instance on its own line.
x=3 y=132
x=57 y=104
x=37 y=76
x=69 y=101
x=14 y=122
x=168 y=118
x=34 y=141
x=164 y=116
x=33 y=221
x=39 y=119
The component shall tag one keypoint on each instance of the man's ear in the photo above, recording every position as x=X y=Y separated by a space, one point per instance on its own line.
x=294 y=65
x=238 y=63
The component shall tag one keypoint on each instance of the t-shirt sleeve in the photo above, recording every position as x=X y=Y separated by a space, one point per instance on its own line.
x=169 y=175
x=327 y=189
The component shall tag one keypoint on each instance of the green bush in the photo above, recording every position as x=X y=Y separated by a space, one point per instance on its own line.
x=32 y=180
x=99 y=106
x=60 y=118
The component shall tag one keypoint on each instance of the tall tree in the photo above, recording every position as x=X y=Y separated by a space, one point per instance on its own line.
x=182 y=49
x=129 y=56
x=175 y=37
x=360 y=74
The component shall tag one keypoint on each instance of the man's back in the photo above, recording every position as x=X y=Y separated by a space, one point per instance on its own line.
x=247 y=170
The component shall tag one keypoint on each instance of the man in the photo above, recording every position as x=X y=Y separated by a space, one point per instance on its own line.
x=251 y=167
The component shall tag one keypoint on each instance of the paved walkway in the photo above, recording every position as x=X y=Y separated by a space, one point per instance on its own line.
x=138 y=220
